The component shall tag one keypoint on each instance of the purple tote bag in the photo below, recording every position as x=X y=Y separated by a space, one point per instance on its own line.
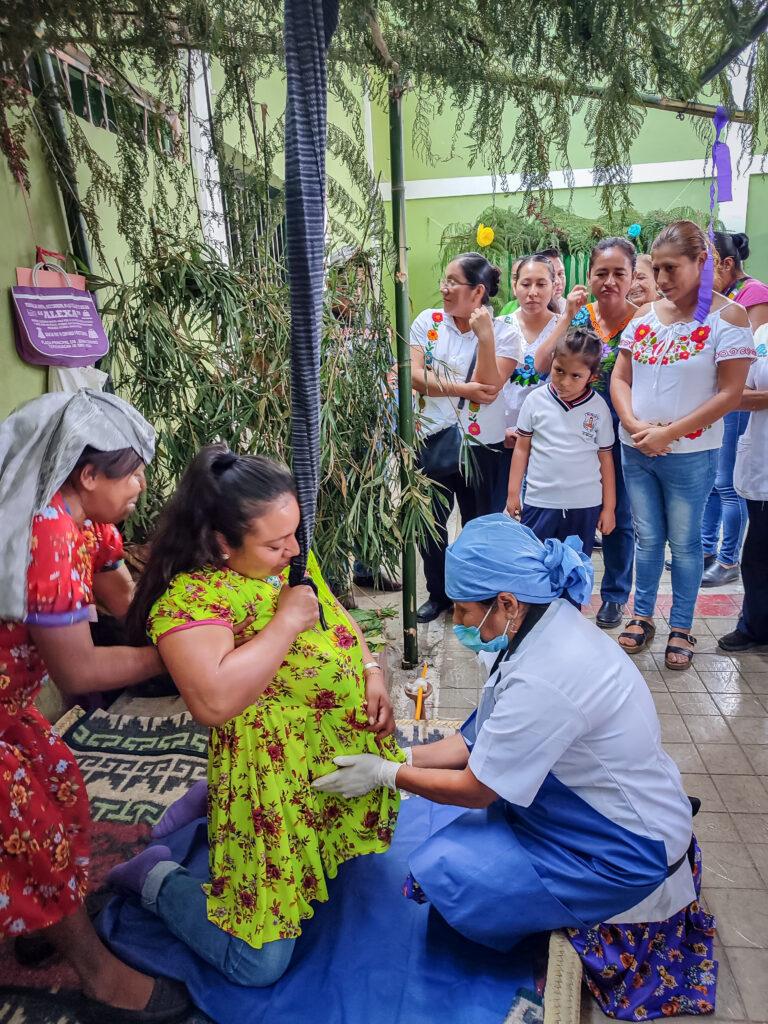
x=57 y=326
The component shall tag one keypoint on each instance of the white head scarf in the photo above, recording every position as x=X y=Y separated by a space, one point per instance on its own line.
x=40 y=444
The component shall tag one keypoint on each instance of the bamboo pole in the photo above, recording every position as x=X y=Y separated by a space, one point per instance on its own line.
x=740 y=43
x=402 y=329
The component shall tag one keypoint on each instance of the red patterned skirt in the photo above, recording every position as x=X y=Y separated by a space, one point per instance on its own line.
x=44 y=822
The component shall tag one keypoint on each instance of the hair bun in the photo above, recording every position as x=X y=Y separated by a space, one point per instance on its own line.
x=223 y=462
x=741 y=244
x=494 y=278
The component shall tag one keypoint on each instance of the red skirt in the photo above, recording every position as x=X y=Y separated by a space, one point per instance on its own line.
x=44 y=819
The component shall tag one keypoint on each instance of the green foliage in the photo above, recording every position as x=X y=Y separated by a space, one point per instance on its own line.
x=372 y=621
x=202 y=350
x=543 y=225
x=548 y=62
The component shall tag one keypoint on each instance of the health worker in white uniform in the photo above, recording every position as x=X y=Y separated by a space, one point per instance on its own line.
x=578 y=814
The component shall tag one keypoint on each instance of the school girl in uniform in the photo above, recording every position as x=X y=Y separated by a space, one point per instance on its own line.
x=564 y=449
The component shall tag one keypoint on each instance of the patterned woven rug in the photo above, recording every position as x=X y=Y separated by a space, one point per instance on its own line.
x=137 y=759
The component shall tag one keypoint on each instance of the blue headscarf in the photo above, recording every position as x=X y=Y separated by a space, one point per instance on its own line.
x=494 y=554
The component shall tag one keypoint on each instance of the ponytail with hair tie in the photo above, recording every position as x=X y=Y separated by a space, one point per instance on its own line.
x=198 y=514
x=223 y=462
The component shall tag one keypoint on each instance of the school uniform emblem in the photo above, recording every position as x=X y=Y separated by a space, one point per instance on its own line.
x=590 y=426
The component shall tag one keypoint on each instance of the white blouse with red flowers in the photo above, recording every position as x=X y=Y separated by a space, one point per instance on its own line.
x=448 y=353
x=674 y=370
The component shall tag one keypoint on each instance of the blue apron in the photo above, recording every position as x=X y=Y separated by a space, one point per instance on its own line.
x=500 y=874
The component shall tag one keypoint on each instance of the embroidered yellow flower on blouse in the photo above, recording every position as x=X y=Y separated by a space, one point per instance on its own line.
x=485 y=235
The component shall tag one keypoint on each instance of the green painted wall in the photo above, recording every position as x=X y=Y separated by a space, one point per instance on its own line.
x=662 y=137
x=757 y=227
x=38 y=221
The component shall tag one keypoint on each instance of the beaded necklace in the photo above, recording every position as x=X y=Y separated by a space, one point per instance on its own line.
x=610 y=342
x=736 y=287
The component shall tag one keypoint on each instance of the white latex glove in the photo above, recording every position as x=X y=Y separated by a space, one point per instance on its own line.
x=358 y=774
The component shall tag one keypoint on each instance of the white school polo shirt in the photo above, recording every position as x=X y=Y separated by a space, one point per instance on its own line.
x=564 y=468
x=448 y=353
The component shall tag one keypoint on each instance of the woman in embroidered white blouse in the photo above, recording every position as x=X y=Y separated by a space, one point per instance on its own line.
x=675 y=378
x=461 y=357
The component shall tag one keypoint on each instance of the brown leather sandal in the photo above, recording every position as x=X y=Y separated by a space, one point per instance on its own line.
x=639 y=643
x=675 y=666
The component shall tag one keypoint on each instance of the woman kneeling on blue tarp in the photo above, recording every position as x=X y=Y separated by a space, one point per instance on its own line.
x=579 y=818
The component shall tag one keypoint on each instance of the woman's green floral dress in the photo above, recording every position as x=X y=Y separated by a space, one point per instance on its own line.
x=273 y=839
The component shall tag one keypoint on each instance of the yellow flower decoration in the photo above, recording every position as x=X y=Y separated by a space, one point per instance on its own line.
x=485 y=235
x=432 y=334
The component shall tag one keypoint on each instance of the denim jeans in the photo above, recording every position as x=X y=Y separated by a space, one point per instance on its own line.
x=724 y=505
x=178 y=899
x=754 y=573
x=619 y=546
x=668 y=494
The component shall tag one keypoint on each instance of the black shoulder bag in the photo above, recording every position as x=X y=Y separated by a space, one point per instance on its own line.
x=440 y=453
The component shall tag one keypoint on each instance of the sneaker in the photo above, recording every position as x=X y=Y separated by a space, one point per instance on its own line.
x=718 y=575
x=736 y=641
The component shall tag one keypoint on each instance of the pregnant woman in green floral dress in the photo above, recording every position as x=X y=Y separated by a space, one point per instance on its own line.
x=283 y=696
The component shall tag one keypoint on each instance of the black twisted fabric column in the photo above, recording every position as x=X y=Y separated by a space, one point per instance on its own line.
x=308 y=27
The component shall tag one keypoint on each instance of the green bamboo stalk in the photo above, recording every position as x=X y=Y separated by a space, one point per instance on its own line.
x=402 y=328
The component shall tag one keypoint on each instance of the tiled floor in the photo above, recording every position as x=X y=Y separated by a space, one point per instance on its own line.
x=714 y=720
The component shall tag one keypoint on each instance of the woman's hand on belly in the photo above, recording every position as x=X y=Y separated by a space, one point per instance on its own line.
x=381 y=715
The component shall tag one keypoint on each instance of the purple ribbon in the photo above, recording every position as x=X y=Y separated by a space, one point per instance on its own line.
x=721 y=191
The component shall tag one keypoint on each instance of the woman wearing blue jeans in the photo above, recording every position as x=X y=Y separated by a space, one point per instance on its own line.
x=725 y=506
x=675 y=378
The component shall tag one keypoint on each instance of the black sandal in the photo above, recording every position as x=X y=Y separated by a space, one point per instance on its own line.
x=674 y=666
x=639 y=642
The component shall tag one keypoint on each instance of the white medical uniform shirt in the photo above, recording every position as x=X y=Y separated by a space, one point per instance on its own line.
x=569 y=701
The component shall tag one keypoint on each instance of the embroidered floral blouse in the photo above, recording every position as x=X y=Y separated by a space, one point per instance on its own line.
x=674 y=370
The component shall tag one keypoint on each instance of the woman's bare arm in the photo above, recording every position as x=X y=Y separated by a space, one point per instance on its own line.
x=758 y=315
x=451 y=752
x=754 y=401
x=114 y=590
x=446 y=786
x=219 y=680
x=77 y=666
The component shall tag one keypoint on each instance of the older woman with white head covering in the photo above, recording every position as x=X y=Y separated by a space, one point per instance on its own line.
x=71 y=467
x=580 y=815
